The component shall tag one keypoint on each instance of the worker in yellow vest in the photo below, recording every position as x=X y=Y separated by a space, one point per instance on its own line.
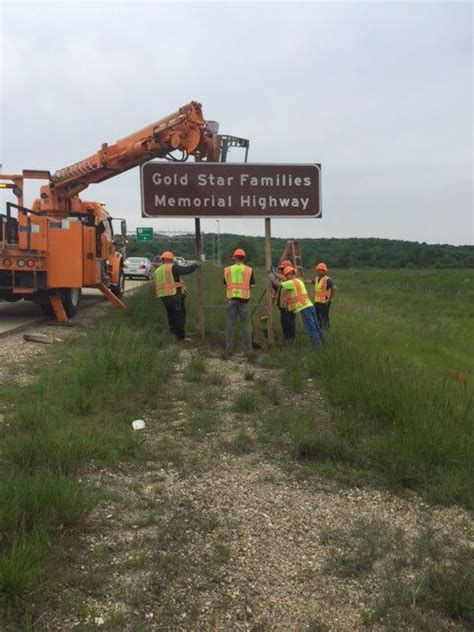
x=300 y=303
x=280 y=299
x=172 y=291
x=238 y=279
x=324 y=291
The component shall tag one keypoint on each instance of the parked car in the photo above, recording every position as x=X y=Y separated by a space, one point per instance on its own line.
x=156 y=262
x=138 y=267
x=180 y=261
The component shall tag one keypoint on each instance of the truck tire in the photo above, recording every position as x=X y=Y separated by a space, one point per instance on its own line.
x=119 y=289
x=70 y=298
x=45 y=305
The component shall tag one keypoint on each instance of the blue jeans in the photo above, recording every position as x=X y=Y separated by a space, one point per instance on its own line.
x=322 y=314
x=238 y=310
x=288 y=324
x=311 y=325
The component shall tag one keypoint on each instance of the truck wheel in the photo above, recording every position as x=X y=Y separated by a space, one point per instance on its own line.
x=71 y=297
x=44 y=303
x=118 y=289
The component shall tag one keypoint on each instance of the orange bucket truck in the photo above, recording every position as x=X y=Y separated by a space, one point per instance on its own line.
x=49 y=252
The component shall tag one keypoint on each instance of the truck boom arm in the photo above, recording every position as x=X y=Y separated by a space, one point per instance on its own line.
x=185 y=130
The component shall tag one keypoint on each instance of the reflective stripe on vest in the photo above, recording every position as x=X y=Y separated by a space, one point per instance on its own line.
x=299 y=298
x=321 y=292
x=237 y=280
x=165 y=285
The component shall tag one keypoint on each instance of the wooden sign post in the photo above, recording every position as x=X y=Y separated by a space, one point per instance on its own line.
x=268 y=266
x=200 y=284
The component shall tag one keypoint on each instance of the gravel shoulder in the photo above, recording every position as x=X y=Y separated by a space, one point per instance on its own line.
x=216 y=531
x=211 y=532
x=17 y=354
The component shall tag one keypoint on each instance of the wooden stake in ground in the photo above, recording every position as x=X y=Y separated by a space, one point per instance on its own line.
x=268 y=266
x=200 y=283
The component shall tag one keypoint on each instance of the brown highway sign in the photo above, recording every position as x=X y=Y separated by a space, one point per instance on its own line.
x=211 y=189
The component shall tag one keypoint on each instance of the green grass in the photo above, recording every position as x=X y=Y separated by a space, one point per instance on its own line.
x=388 y=373
x=355 y=552
x=399 y=339
x=423 y=317
x=195 y=369
x=73 y=413
x=435 y=578
x=21 y=563
x=202 y=423
x=243 y=443
x=245 y=402
x=41 y=500
x=418 y=578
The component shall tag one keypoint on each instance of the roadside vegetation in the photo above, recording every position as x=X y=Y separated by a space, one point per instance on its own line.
x=397 y=373
x=72 y=415
x=386 y=404
x=337 y=253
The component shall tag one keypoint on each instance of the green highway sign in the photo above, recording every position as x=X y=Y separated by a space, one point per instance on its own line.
x=144 y=234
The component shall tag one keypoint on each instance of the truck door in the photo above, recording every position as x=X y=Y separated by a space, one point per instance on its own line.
x=91 y=263
x=65 y=256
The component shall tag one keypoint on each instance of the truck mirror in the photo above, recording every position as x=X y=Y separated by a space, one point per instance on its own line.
x=123 y=227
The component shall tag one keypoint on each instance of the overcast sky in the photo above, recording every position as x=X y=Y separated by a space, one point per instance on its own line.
x=379 y=93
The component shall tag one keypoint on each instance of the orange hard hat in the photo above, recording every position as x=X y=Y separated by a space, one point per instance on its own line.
x=321 y=266
x=238 y=252
x=285 y=263
x=167 y=255
x=288 y=270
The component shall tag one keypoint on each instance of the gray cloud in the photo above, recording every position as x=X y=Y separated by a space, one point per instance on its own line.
x=380 y=94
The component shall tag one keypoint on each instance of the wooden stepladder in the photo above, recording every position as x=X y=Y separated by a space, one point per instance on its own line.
x=292 y=253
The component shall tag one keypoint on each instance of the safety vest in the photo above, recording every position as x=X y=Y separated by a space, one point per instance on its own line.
x=298 y=299
x=321 y=292
x=165 y=285
x=281 y=298
x=237 y=280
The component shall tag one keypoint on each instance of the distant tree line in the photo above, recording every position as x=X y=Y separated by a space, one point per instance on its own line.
x=337 y=253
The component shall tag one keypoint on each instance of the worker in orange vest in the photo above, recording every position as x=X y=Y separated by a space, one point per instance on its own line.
x=172 y=291
x=238 y=279
x=300 y=303
x=324 y=291
x=280 y=299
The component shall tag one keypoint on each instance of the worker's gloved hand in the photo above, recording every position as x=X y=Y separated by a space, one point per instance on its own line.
x=198 y=264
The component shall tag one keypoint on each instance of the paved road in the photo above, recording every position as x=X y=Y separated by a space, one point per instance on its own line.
x=23 y=313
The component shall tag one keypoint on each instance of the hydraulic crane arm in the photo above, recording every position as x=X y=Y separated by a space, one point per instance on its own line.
x=185 y=130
